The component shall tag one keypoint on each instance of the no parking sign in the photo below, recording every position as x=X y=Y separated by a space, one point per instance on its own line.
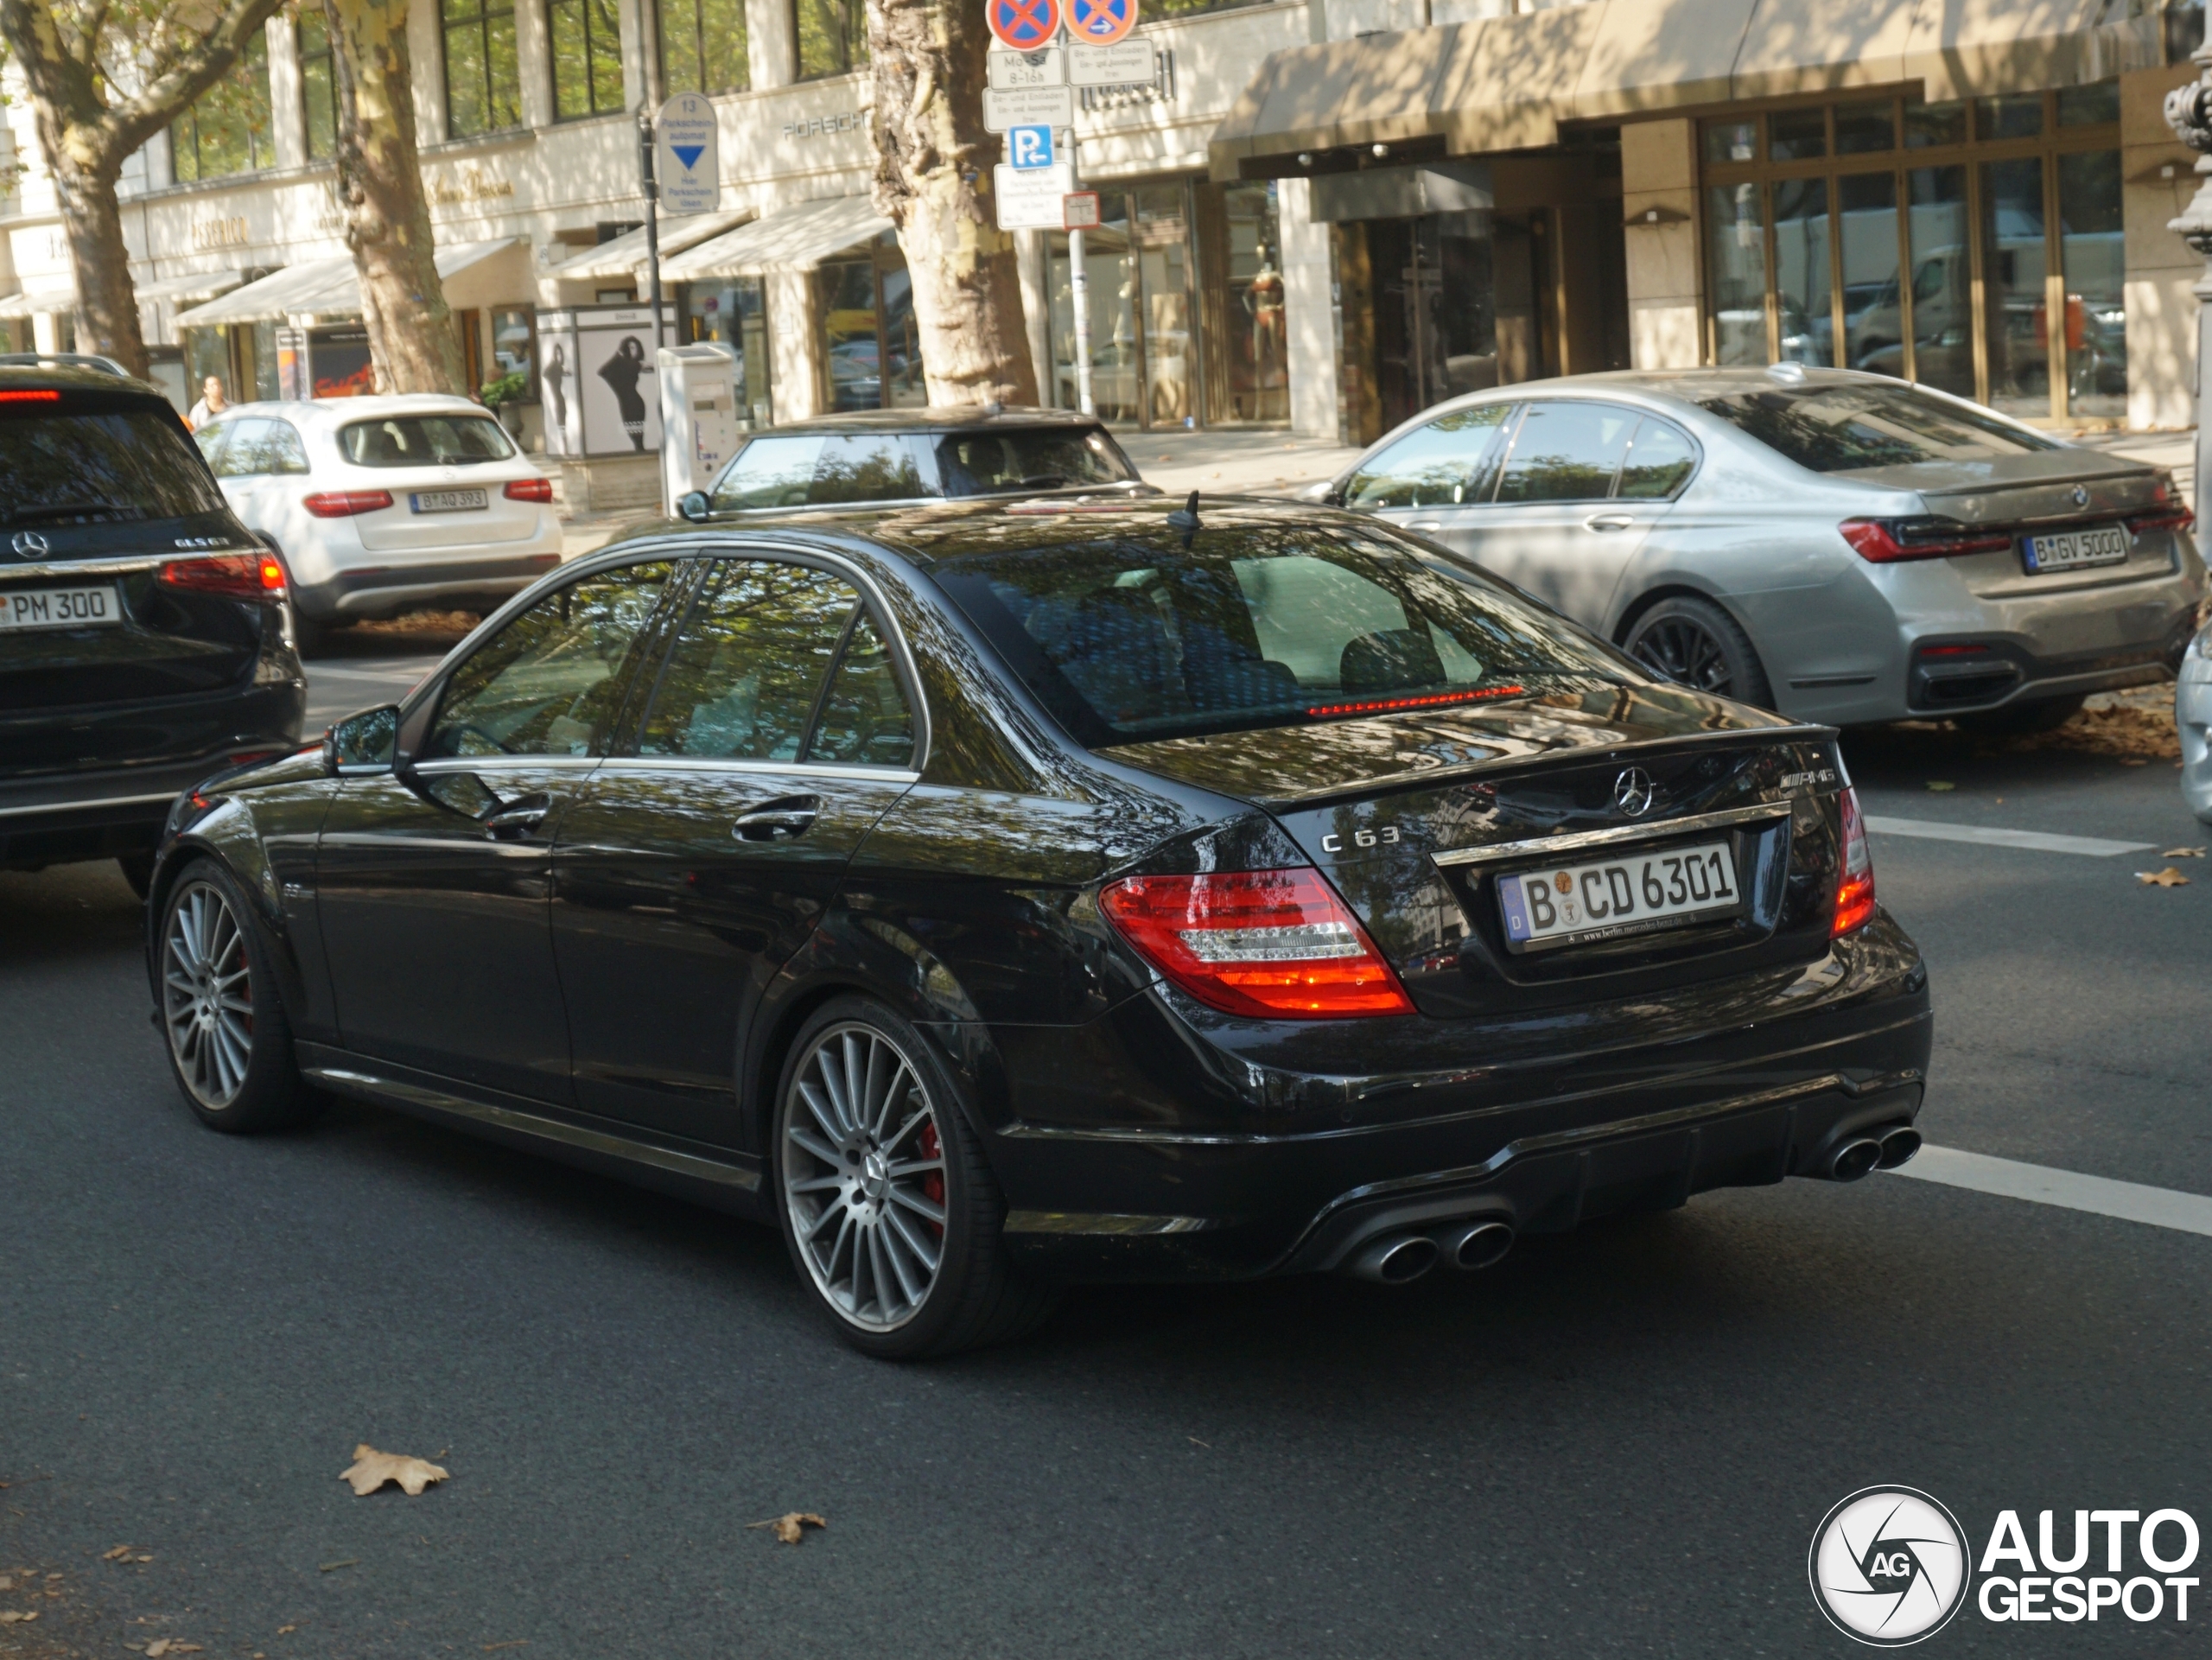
x=1101 y=22
x=1024 y=25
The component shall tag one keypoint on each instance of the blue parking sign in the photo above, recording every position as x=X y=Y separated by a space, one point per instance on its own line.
x=1029 y=147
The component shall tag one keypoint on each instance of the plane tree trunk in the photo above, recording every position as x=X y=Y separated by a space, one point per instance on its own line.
x=412 y=341
x=89 y=126
x=932 y=178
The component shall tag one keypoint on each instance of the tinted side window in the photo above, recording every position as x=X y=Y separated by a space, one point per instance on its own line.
x=749 y=662
x=1660 y=462
x=550 y=682
x=864 y=718
x=1567 y=452
x=769 y=472
x=1442 y=464
x=865 y=466
x=241 y=457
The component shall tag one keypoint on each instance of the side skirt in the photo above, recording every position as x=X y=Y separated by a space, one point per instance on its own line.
x=711 y=1176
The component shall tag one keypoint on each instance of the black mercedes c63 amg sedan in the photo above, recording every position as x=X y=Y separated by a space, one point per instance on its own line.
x=995 y=897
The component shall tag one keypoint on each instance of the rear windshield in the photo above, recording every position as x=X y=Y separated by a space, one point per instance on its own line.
x=1835 y=429
x=100 y=469
x=424 y=441
x=1256 y=625
x=998 y=458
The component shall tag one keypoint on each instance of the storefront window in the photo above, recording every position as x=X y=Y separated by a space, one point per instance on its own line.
x=1735 y=273
x=702 y=47
x=318 y=84
x=1247 y=376
x=514 y=349
x=1110 y=268
x=832 y=37
x=734 y=313
x=1815 y=259
x=2091 y=257
x=587 y=57
x=871 y=350
x=227 y=130
x=483 y=83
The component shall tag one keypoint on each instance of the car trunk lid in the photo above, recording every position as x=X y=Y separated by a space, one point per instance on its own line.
x=1417 y=818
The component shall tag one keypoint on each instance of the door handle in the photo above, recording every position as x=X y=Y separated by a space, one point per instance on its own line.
x=1609 y=522
x=784 y=820
x=514 y=822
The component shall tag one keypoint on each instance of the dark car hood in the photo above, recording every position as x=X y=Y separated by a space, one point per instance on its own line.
x=1311 y=762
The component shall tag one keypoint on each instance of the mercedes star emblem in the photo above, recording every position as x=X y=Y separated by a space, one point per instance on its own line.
x=28 y=545
x=1632 y=792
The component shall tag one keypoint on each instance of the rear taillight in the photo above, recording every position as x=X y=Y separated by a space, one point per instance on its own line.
x=1888 y=541
x=236 y=576
x=2161 y=519
x=1854 y=894
x=344 y=504
x=1268 y=943
x=530 y=490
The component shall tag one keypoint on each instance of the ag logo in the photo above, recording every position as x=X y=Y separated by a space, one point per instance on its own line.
x=1888 y=1566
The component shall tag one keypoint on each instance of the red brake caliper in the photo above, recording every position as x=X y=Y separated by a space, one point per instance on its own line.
x=934 y=1183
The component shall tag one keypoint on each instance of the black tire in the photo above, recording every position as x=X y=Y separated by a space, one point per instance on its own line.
x=138 y=871
x=1695 y=643
x=862 y=1178
x=234 y=1066
x=2021 y=719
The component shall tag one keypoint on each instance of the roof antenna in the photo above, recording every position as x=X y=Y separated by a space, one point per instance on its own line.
x=1186 y=518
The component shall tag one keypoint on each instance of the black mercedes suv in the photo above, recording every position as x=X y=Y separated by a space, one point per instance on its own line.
x=144 y=642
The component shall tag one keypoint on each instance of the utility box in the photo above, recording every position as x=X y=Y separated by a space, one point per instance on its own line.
x=698 y=418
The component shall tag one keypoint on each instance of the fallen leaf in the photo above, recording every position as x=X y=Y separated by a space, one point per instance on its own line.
x=519 y=1643
x=2167 y=878
x=1937 y=784
x=141 y=1559
x=351 y=1562
x=6 y=1583
x=2183 y=853
x=9 y=1616
x=790 y=1526
x=371 y=1469
x=116 y=1555
x=286 y=1630
x=1195 y=1442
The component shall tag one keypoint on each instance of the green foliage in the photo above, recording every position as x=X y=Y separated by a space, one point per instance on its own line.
x=506 y=390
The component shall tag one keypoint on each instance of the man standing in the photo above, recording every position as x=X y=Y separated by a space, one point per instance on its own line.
x=212 y=404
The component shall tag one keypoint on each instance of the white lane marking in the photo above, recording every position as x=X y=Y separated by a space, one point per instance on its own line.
x=2158 y=1207
x=2034 y=841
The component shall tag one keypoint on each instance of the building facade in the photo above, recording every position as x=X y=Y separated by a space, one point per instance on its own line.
x=1321 y=215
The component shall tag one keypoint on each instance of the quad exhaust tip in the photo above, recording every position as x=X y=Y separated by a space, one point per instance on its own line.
x=1898 y=1146
x=1852 y=1158
x=1467 y=1246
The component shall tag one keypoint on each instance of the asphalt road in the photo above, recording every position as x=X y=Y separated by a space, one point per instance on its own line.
x=1616 y=1443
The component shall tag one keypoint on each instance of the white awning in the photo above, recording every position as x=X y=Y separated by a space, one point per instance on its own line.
x=625 y=255
x=31 y=302
x=319 y=288
x=193 y=285
x=798 y=239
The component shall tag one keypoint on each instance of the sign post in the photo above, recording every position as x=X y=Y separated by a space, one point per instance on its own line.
x=646 y=148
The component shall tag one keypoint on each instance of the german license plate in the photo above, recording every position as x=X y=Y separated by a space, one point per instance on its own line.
x=2104 y=545
x=1611 y=899
x=24 y=608
x=448 y=502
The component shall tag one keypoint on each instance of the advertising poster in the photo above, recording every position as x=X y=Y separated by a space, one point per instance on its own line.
x=557 y=384
x=617 y=383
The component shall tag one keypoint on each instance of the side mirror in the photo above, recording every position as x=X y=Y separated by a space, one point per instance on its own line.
x=695 y=507
x=366 y=742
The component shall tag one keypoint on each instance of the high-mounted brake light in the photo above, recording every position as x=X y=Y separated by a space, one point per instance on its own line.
x=344 y=504
x=41 y=397
x=1854 y=893
x=1275 y=944
x=530 y=490
x=1425 y=699
x=236 y=576
x=1888 y=541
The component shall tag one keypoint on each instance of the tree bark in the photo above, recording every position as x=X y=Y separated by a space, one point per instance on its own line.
x=88 y=126
x=412 y=337
x=933 y=161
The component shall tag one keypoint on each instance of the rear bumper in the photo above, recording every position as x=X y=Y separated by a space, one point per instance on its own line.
x=382 y=590
x=1546 y=1144
x=97 y=812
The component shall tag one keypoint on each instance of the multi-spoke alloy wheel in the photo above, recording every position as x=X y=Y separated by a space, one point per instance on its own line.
x=863 y=1169
x=1695 y=643
x=1682 y=650
x=207 y=996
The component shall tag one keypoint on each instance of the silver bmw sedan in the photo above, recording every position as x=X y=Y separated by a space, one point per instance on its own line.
x=1838 y=546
